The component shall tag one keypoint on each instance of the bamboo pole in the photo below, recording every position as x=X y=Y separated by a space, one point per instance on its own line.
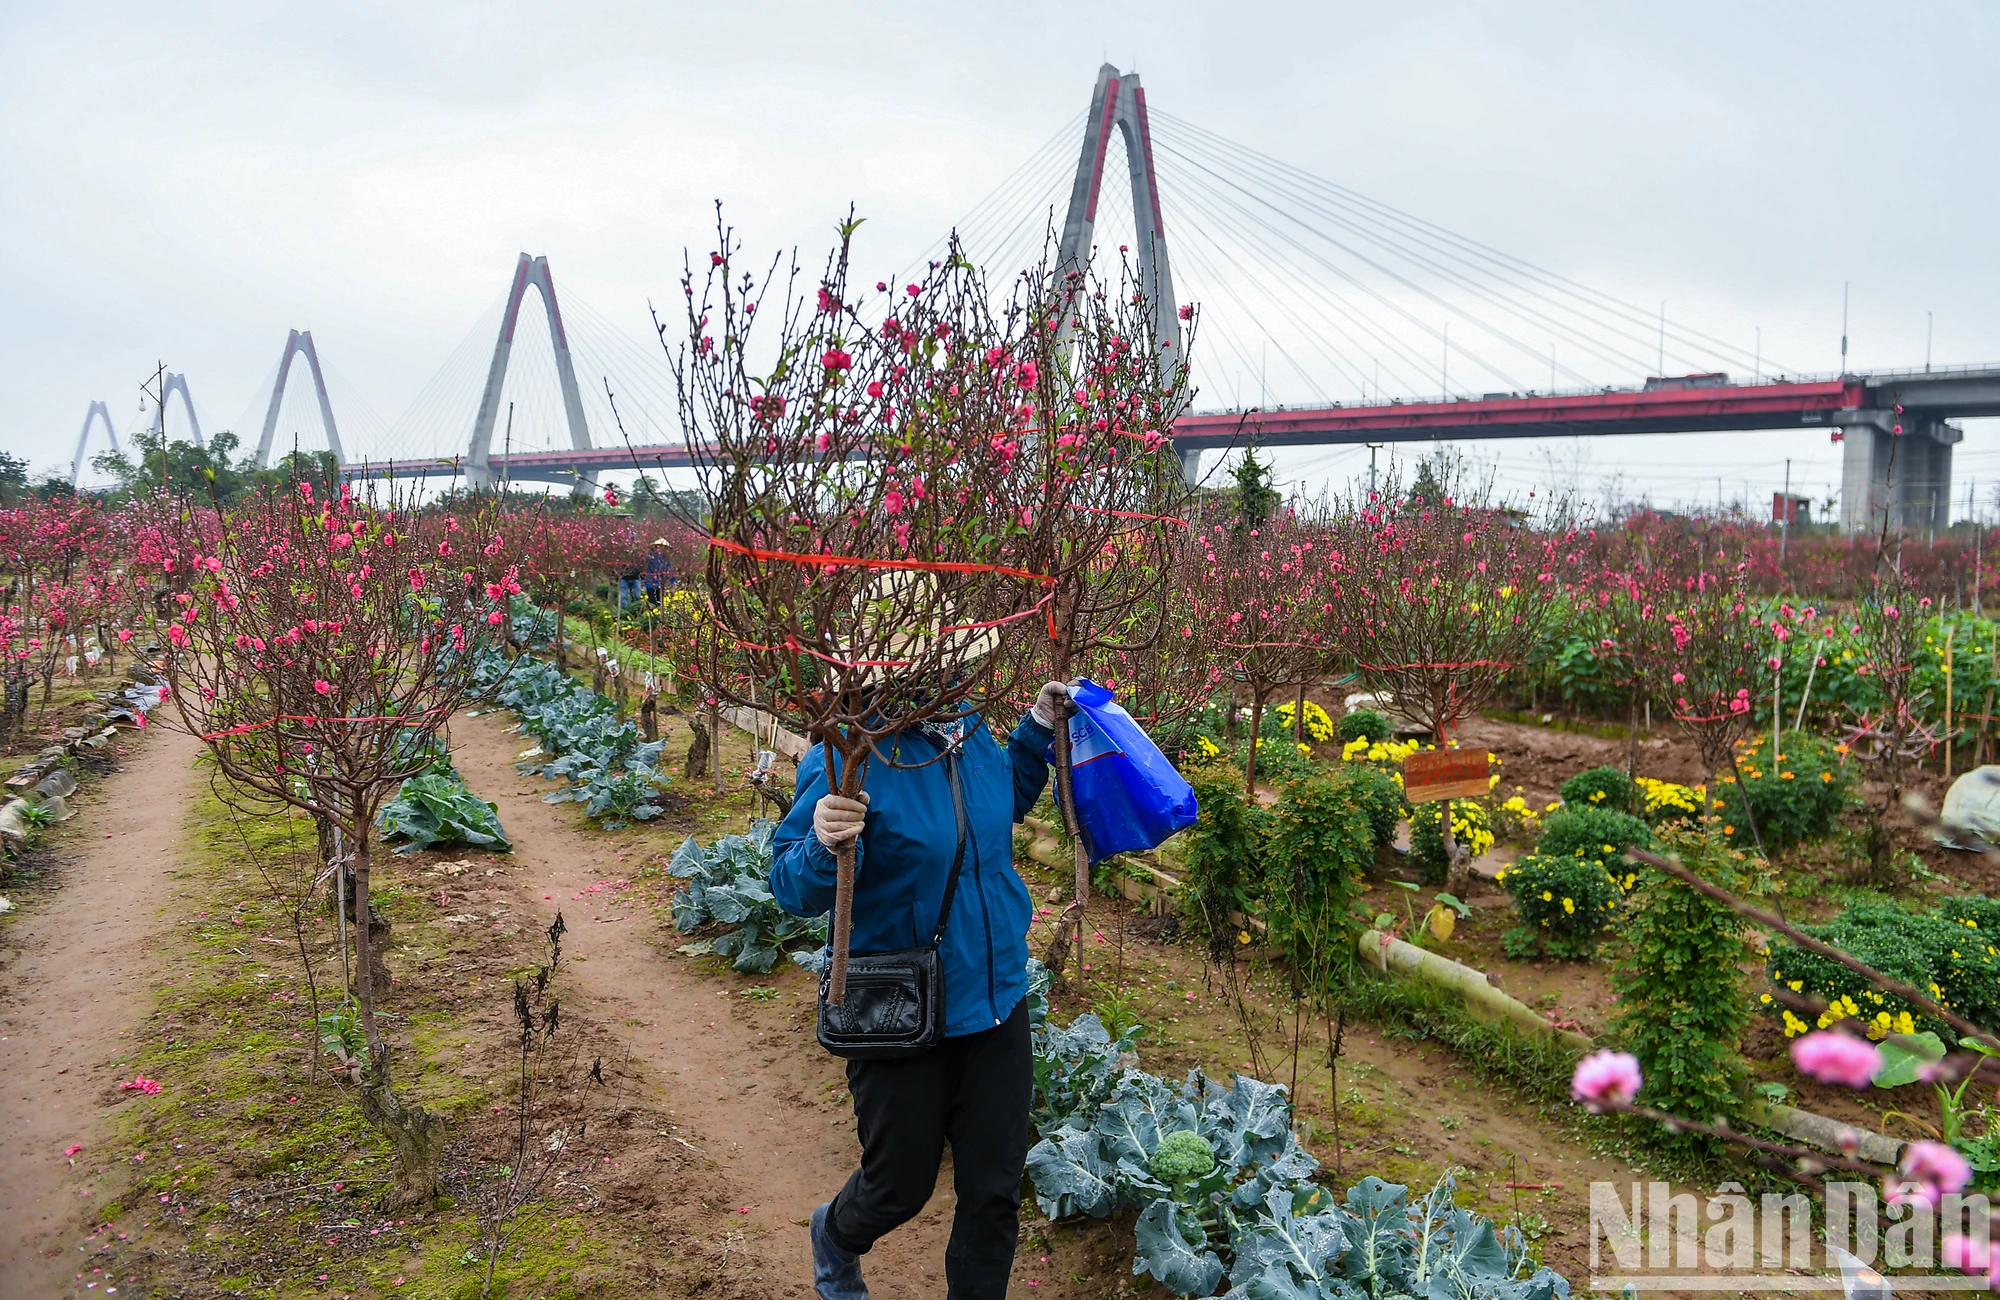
x=1777 y=706
x=1947 y=701
x=1992 y=676
x=1811 y=672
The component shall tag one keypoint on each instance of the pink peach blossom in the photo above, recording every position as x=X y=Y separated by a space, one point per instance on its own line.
x=1837 y=1058
x=1606 y=1078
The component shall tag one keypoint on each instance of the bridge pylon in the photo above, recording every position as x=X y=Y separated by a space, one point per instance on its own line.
x=168 y=387
x=97 y=411
x=528 y=271
x=1119 y=103
x=300 y=343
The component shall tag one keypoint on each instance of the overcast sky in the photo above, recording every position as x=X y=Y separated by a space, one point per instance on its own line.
x=183 y=183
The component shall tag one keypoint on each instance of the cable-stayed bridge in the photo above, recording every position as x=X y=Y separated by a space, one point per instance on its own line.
x=1306 y=288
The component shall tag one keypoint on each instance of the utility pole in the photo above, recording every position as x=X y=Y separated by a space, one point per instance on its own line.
x=1663 y=336
x=1373 y=447
x=1444 y=374
x=507 y=453
x=1927 y=343
x=1843 y=327
x=159 y=395
x=1785 y=520
x=1757 y=366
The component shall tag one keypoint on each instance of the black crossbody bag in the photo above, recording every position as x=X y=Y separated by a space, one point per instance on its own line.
x=895 y=1000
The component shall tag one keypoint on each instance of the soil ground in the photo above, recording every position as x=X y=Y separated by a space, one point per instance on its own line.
x=75 y=980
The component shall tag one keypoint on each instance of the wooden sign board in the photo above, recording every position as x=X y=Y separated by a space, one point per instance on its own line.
x=1434 y=774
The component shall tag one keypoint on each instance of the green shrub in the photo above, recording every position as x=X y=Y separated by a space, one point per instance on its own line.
x=1598 y=834
x=1798 y=799
x=1372 y=723
x=1601 y=787
x=1682 y=1006
x=1953 y=951
x=1471 y=826
x=1320 y=843
x=1221 y=867
x=1279 y=758
x=1580 y=866
x=1563 y=905
x=1378 y=794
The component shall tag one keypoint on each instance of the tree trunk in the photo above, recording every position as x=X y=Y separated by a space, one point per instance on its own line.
x=1632 y=725
x=416 y=1134
x=562 y=656
x=853 y=768
x=697 y=755
x=649 y=718
x=1069 y=926
x=1457 y=861
x=1299 y=717
x=1256 y=726
x=715 y=743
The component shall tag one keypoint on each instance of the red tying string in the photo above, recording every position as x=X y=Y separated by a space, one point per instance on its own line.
x=245 y=728
x=1470 y=663
x=791 y=643
x=1129 y=514
x=839 y=561
x=1267 y=645
x=1710 y=717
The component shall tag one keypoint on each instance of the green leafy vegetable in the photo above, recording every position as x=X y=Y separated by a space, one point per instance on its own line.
x=728 y=886
x=610 y=771
x=436 y=809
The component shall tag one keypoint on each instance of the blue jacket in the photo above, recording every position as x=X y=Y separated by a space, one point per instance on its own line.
x=904 y=858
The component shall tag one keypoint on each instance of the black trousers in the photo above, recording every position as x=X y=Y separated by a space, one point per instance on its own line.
x=974 y=1092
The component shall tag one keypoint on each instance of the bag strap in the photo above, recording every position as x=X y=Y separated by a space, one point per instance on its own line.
x=958 y=856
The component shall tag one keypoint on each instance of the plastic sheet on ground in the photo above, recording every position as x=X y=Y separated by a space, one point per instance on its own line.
x=1971 y=817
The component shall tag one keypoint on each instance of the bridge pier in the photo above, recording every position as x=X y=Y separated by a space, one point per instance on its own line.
x=1906 y=474
x=1190 y=459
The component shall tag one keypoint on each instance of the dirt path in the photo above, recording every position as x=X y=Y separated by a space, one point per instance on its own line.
x=768 y=1105
x=73 y=981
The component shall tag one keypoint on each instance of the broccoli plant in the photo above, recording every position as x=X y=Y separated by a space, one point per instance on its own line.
x=1182 y=1156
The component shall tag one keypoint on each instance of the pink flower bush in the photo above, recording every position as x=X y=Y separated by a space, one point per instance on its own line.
x=1836 y=1058
x=1606 y=1078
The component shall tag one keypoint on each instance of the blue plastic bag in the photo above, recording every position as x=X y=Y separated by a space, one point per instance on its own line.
x=1128 y=796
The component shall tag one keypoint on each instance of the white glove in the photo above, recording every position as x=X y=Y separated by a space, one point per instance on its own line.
x=837 y=819
x=1051 y=706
